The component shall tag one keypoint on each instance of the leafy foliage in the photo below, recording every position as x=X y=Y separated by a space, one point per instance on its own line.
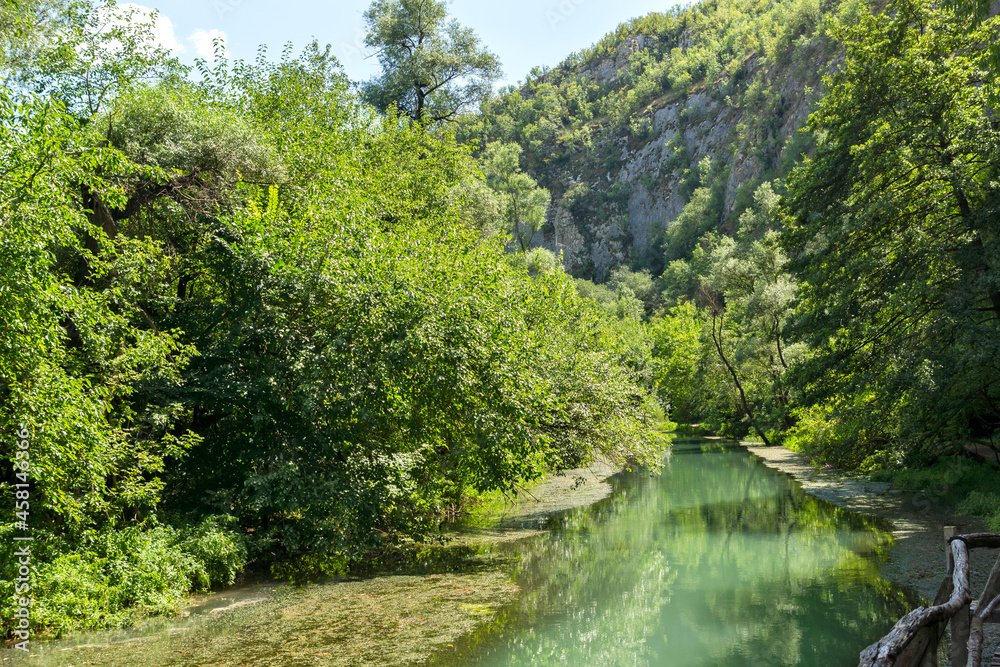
x=894 y=228
x=431 y=68
x=249 y=319
x=253 y=320
x=524 y=203
x=855 y=318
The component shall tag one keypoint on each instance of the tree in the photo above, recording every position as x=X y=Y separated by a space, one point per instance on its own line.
x=745 y=295
x=83 y=53
x=677 y=354
x=78 y=359
x=893 y=229
x=525 y=204
x=16 y=29
x=978 y=12
x=748 y=295
x=251 y=302
x=432 y=68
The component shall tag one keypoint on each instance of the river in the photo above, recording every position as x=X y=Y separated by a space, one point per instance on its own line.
x=718 y=560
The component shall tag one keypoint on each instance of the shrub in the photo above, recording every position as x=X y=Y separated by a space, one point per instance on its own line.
x=118 y=576
x=217 y=550
x=112 y=580
x=984 y=504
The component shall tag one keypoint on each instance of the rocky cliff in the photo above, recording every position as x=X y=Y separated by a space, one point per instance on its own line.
x=620 y=133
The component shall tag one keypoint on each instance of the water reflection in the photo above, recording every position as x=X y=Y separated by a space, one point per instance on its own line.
x=717 y=561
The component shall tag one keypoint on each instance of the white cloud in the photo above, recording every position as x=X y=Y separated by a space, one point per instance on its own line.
x=163 y=27
x=202 y=41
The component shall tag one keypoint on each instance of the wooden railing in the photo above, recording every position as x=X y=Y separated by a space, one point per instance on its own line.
x=913 y=641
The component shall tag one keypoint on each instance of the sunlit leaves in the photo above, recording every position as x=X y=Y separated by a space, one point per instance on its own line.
x=892 y=232
x=432 y=69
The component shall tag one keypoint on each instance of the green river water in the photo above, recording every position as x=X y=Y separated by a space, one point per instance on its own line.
x=717 y=561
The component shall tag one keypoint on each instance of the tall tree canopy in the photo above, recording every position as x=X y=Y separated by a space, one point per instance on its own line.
x=432 y=68
x=894 y=230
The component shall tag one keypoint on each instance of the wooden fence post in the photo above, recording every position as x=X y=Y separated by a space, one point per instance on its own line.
x=960 y=621
x=944 y=592
x=912 y=640
x=990 y=591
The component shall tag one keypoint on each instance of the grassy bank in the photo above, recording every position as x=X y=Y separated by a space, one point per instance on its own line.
x=969 y=486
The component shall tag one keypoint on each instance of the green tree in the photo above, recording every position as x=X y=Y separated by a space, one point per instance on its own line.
x=525 y=204
x=978 y=12
x=82 y=371
x=85 y=53
x=387 y=357
x=744 y=296
x=893 y=230
x=252 y=312
x=748 y=294
x=432 y=68
x=677 y=353
x=640 y=283
x=22 y=26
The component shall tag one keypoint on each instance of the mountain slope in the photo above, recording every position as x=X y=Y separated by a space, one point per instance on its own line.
x=662 y=131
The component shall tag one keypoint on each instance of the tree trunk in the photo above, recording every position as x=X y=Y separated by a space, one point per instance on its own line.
x=99 y=216
x=965 y=209
x=717 y=339
x=420 y=103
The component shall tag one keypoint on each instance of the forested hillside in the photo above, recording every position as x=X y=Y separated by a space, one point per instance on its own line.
x=663 y=130
x=247 y=323
x=800 y=198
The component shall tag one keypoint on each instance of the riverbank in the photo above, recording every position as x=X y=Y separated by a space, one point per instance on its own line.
x=384 y=619
x=456 y=590
x=917 y=558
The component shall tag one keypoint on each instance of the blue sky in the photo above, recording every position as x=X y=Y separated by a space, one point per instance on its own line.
x=524 y=33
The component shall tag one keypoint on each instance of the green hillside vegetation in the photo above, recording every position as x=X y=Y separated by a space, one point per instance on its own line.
x=856 y=316
x=572 y=122
x=845 y=305
x=251 y=323
x=258 y=319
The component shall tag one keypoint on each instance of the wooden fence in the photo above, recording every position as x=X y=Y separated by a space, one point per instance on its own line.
x=913 y=641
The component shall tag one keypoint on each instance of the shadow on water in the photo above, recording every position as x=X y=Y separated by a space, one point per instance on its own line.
x=719 y=560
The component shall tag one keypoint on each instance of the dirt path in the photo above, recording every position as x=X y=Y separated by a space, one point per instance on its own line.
x=918 y=557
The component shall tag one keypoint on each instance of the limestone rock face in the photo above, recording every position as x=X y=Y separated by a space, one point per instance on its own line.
x=747 y=137
x=610 y=69
x=562 y=236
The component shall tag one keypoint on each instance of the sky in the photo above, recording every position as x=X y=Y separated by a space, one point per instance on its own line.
x=523 y=33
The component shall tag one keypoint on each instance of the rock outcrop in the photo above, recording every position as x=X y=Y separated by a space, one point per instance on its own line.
x=750 y=134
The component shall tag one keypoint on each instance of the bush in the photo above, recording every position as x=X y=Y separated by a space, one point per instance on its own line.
x=217 y=550
x=121 y=575
x=110 y=582
x=957 y=481
x=984 y=504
